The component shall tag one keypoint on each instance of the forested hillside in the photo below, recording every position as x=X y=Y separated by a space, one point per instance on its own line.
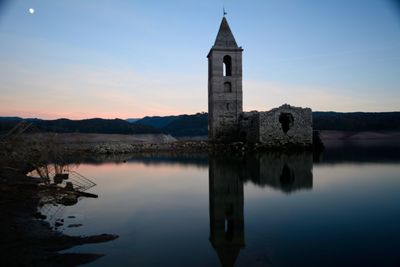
x=197 y=124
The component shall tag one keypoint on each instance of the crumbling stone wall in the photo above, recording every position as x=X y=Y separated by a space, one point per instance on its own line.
x=286 y=125
x=249 y=125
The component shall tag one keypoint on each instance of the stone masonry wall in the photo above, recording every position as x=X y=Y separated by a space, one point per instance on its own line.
x=224 y=106
x=249 y=124
x=286 y=125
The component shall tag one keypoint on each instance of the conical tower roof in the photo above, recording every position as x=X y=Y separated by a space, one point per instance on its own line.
x=225 y=37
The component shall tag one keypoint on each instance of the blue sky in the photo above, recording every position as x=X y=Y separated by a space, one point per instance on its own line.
x=97 y=58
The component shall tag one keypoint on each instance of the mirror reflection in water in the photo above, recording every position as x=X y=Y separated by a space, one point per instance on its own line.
x=267 y=209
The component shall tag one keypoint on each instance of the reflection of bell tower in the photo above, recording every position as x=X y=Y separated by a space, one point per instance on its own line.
x=226 y=210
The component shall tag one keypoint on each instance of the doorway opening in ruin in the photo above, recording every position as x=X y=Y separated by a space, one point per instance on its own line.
x=227 y=66
x=286 y=120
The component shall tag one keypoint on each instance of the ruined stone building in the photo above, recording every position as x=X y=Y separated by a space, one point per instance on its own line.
x=227 y=121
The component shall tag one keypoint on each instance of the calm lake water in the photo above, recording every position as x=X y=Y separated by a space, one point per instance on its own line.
x=341 y=208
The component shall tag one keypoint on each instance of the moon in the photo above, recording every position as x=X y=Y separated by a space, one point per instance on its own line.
x=31 y=11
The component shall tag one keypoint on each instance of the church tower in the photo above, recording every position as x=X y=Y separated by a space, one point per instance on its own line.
x=224 y=86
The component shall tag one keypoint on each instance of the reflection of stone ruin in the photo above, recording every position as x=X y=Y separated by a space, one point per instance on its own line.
x=285 y=125
x=285 y=172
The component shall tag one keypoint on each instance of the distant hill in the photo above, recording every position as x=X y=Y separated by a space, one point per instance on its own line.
x=197 y=124
x=188 y=125
x=132 y=120
x=116 y=126
x=182 y=125
x=10 y=119
x=157 y=121
x=357 y=121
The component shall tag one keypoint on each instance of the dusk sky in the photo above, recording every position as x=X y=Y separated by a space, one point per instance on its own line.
x=128 y=59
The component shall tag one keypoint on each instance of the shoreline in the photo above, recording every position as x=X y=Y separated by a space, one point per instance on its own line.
x=178 y=147
x=75 y=143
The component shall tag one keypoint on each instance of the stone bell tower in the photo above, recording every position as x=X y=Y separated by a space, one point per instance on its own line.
x=224 y=86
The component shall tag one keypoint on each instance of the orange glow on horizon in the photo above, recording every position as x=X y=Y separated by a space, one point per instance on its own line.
x=88 y=115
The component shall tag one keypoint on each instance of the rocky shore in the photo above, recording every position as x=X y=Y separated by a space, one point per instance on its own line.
x=177 y=146
x=75 y=144
x=26 y=237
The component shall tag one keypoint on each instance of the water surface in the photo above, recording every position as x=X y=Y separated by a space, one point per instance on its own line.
x=338 y=209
